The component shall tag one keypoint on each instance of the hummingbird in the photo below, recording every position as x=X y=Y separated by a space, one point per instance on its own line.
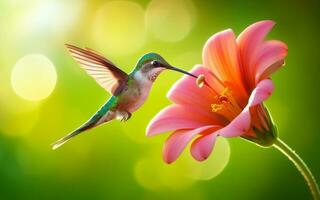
x=128 y=91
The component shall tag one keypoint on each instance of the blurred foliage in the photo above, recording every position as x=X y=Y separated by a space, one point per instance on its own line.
x=117 y=161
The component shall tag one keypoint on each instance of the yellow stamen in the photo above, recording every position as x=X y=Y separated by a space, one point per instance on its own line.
x=226 y=92
x=226 y=104
x=216 y=107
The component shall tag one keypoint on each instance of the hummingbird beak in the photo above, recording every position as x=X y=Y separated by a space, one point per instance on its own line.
x=181 y=71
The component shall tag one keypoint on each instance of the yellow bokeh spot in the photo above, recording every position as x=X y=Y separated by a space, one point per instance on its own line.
x=33 y=77
x=214 y=165
x=170 y=20
x=144 y=173
x=41 y=19
x=152 y=173
x=119 y=28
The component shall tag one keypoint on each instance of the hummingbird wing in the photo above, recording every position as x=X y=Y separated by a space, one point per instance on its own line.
x=106 y=74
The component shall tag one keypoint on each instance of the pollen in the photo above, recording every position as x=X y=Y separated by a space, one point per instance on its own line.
x=200 y=80
x=216 y=107
x=226 y=92
x=226 y=105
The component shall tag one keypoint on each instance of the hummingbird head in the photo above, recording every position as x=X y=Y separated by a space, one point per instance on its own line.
x=151 y=65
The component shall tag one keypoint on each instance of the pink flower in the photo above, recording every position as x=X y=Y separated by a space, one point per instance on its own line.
x=230 y=104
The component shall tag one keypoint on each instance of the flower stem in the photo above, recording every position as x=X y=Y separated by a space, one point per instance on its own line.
x=301 y=166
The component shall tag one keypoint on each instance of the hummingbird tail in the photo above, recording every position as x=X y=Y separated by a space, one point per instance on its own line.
x=88 y=125
x=63 y=140
x=102 y=116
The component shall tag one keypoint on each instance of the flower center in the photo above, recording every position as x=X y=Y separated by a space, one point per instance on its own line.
x=226 y=104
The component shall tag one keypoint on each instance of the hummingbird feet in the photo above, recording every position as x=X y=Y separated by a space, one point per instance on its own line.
x=123 y=115
x=126 y=116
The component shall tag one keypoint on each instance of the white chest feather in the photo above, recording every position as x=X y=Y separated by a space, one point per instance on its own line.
x=143 y=88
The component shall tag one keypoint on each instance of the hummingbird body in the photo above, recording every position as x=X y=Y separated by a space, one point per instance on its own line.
x=123 y=105
x=135 y=94
x=129 y=91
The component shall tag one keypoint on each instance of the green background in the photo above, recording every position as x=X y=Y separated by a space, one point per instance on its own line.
x=117 y=161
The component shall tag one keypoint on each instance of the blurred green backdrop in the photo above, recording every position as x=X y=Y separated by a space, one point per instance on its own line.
x=44 y=95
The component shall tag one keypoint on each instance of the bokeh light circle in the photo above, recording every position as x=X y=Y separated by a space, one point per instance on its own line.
x=144 y=174
x=214 y=165
x=153 y=174
x=33 y=77
x=118 y=27
x=170 y=20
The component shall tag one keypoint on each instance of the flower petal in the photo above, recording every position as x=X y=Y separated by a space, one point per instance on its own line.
x=248 y=42
x=202 y=147
x=186 y=92
x=177 y=142
x=241 y=124
x=220 y=55
x=270 y=57
x=176 y=117
x=261 y=93
x=252 y=37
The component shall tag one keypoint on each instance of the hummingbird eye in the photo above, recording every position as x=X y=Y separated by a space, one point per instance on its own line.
x=155 y=63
